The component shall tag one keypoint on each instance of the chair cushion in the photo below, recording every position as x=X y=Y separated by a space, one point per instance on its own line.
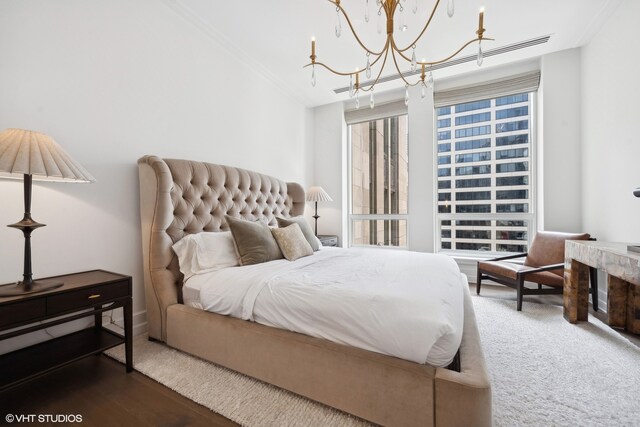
x=547 y=248
x=510 y=270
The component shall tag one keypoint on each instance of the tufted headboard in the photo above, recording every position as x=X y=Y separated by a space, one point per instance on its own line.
x=180 y=197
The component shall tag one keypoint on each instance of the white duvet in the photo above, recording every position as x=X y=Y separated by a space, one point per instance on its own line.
x=399 y=303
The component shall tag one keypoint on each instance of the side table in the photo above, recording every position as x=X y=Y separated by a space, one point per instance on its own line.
x=83 y=294
x=328 y=240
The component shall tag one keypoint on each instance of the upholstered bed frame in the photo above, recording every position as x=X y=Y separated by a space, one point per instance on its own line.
x=178 y=197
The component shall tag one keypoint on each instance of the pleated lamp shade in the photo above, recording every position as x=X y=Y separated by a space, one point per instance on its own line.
x=25 y=152
x=317 y=194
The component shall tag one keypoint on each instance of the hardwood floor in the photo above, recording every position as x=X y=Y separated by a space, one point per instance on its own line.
x=98 y=389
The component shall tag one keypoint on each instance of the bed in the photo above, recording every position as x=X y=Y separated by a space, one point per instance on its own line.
x=180 y=197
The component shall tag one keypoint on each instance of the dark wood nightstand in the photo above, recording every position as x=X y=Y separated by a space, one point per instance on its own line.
x=82 y=295
x=328 y=240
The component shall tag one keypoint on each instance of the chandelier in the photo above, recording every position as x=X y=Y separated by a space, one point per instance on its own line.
x=391 y=50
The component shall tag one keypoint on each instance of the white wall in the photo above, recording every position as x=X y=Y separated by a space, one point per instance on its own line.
x=330 y=166
x=611 y=145
x=112 y=80
x=559 y=141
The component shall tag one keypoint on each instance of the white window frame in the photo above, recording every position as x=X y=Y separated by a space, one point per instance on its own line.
x=531 y=217
x=351 y=217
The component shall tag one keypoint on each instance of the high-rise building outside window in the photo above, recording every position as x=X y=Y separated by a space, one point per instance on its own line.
x=379 y=180
x=485 y=175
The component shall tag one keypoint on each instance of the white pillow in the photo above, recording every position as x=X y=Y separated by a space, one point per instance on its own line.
x=205 y=252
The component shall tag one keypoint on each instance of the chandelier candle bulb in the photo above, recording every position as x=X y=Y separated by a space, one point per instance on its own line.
x=313 y=49
x=481 y=22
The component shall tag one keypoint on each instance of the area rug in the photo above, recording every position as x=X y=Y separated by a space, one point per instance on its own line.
x=544 y=372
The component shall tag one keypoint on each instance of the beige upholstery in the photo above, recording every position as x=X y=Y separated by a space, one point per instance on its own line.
x=179 y=197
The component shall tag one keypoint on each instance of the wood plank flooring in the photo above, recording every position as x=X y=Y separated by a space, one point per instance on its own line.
x=99 y=389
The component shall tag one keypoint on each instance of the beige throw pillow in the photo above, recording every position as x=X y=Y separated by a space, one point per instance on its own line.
x=304 y=226
x=253 y=240
x=292 y=242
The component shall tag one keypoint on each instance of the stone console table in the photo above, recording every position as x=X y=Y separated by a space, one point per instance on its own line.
x=623 y=281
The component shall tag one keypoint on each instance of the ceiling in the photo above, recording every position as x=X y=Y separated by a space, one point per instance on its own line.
x=274 y=36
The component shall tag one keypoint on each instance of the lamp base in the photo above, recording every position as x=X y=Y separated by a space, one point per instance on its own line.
x=21 y=288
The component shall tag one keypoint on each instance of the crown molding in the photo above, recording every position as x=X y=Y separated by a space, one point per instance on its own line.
x=607 y=9
x=235 y=51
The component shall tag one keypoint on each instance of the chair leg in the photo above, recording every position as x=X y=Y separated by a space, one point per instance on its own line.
x=539 y=286
x=593 y=273
x=519 y=290
x=478 y=282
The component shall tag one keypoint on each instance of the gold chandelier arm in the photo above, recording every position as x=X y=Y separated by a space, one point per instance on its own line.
x=353 y=31
x=433 y=12
x=385 y=51
x=455 y=53
x=395 y=61
x=386 y=54
x=329 y=68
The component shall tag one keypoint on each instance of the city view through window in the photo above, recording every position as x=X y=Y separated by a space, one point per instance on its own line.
x=379 y=182
x=485 y=200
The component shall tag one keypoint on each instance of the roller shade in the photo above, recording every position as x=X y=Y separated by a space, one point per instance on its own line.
x=366 y=114
x=527 y=82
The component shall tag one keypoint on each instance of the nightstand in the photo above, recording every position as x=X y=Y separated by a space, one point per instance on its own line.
x=83 y=294
x=328 y=240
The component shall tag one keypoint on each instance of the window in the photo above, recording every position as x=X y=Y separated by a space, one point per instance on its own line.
x=512 y=154
x=470 y=106
x=512 y=167
x=474 y=131
x=512 y=139
x=379 y=182
x=471 y=118
x=512 y=112
x=444 y=135
x=444 y=160
x=444 y=147
x=473 y=157
x=511 y=126
x=473 y=195
x=471 y=183
x=491 y=206
x=472 y=144
x=473 y=170
x=513 y=99
x=444 y=123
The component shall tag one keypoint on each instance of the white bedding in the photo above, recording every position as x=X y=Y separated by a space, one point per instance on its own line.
x=399 y=303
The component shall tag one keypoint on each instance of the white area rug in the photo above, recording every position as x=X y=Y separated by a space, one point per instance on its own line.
x=544 y=372
x=547 y=372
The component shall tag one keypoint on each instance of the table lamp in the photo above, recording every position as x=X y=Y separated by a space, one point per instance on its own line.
x=34 y=156
x=317 y=194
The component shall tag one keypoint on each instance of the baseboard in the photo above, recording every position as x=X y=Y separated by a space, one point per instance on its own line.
x=115 y=322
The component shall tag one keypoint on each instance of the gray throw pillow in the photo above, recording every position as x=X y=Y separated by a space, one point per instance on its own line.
x=304 y=226
x=292 y=242
x=253 y=240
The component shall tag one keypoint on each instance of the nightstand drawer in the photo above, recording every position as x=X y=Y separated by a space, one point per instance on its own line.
x=86 y=297
x=22 y=311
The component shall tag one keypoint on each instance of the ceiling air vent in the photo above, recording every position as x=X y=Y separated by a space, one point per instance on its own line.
x=461 y=60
